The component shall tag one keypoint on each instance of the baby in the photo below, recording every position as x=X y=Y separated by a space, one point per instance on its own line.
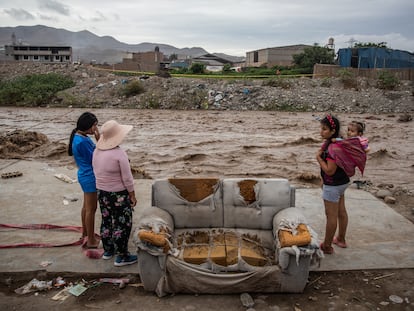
x=356 y=130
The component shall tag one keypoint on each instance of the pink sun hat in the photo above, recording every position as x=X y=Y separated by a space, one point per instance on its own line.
x=112 y=134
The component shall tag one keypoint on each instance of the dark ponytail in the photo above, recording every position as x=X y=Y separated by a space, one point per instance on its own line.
x=71 y=141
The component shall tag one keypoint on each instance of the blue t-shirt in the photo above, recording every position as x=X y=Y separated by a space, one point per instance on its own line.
x=82 y=149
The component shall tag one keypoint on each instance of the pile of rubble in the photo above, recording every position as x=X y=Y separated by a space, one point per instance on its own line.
x=99 y=88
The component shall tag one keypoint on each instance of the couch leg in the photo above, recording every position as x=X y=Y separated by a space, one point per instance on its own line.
x=295 y=277
x=149 y=269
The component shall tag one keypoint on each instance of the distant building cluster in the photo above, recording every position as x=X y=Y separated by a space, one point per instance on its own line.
x=156 y=61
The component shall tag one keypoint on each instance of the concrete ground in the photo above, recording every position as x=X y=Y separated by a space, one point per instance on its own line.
x=378 y=237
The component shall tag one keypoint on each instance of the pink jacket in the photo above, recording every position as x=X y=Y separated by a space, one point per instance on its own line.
x=112 y=170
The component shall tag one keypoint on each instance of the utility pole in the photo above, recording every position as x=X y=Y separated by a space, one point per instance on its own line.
x=351 y=42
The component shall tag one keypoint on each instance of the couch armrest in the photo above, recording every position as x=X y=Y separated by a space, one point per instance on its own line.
x=154 y=214
x=152 y=258
x=157 y=222
x=290 y=218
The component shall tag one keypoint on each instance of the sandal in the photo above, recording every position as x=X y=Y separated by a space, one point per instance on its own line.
x=326 y=250
x=339 y=243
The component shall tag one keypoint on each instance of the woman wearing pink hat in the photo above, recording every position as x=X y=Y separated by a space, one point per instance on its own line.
x=116 y=194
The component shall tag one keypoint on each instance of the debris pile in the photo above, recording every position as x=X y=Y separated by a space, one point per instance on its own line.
x=99 y=88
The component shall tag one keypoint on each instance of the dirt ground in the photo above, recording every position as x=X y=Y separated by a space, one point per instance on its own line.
x=354 y=290
x=167 y=143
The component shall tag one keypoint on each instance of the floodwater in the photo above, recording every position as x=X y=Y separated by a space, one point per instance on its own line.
x=198 y=143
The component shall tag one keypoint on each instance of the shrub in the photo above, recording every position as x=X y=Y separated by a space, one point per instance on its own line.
x=131 y=89
x=347 y=78
x=278 y=82
x=326 y=82
x=387 y=81
x=35 y=89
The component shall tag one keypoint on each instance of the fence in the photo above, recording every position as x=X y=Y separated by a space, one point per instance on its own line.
x=323 y=70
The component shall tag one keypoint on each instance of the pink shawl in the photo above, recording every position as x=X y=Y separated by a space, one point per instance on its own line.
x=348 y=154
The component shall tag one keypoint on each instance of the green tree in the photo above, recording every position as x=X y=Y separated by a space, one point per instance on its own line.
x=173 y=57
x=314 y=55
x=197 y=68
x=226 y=68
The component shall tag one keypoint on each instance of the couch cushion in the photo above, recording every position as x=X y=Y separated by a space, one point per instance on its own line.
x=231 y=248
x=254 y=208
x=208 y=212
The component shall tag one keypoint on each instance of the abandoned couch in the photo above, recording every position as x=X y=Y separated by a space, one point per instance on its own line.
x=224 y=236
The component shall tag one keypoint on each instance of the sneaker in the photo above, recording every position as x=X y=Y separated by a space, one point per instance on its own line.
x=125 y=260
x=107 y=255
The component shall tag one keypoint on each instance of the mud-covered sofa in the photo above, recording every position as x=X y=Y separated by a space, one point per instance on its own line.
x=222 y=236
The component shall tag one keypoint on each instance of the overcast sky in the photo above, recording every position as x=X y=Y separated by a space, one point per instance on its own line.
x=228 y=26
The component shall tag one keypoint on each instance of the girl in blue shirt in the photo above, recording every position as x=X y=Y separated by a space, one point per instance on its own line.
x=81 y=147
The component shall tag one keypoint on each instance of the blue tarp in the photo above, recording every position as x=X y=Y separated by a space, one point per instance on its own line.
x=375 y=58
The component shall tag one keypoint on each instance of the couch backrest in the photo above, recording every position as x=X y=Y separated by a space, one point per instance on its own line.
x=270 y=195
x=206 y=213
x=233 y=202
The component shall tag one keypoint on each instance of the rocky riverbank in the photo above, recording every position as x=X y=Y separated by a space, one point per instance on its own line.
x=101 y=89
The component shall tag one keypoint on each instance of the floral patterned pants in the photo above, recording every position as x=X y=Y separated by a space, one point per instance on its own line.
x=116 y=224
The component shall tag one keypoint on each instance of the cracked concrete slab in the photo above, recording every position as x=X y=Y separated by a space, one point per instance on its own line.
x=378 y=237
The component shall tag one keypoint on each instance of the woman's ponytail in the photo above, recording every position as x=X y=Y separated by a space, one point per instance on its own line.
x=71 y=141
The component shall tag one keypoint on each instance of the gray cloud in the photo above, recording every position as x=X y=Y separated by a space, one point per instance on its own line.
x=99 y=17
x=47 y=17
x=54 y=6
x=19 y=14
x=232 y=26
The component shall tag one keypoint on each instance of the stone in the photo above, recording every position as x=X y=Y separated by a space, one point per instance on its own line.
x=247 y=300
x=390 y=200
x=395 y=299
x=382 y=193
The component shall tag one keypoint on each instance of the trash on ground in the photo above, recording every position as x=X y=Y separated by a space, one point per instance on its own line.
x=33 y=286
x=65 y=178
x=59 y=282
x=114 y=280
x=70 y=198
x=77 y=290
x=45 y=263
x=11 y=174
x=62 y=295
